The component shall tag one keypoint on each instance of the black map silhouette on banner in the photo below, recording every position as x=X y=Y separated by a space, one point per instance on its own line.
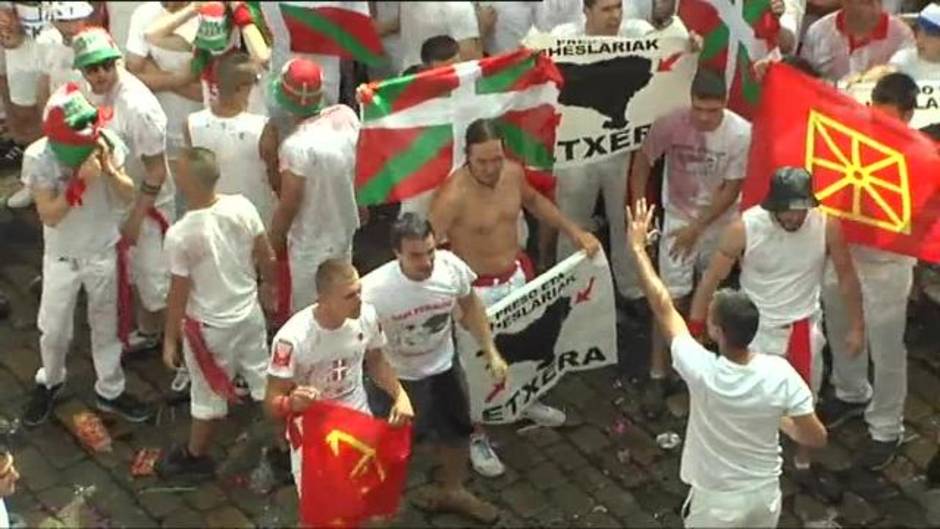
x=536 y=343
x=605 y=86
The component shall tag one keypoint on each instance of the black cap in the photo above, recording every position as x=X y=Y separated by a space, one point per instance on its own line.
x=790 y=188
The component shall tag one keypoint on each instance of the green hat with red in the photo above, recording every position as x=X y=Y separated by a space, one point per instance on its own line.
x=298 y=88
x=214 y=33
x=93 y=45
x=72 y=125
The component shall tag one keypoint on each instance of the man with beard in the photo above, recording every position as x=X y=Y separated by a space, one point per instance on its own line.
x=782 y=246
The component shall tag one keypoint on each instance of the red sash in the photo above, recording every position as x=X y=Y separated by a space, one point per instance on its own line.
x=158 y=217
x=799 y=350
x=220 y=382
x=522 y=261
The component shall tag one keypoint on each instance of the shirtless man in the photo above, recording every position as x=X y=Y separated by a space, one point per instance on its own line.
x=476 y=209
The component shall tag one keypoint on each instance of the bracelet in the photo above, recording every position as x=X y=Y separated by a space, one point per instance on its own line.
x=282 y=405
x=149 y=189
x=697 y=328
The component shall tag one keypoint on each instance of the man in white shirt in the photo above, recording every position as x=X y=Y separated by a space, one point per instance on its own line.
x=705 y=146
x=76 y=175
x=782 y=246
x=55 y=54
x=739 y=401
x=388 y=26
x=316 y=216
x=578 y=187
x=420 y=21
x=853 y=39
x=416 y=296
x=886 y=279
x=141 y=123
x=160 y=68
x=245 y=144
x=514 y=20
x=923 y=60
x=322 y=352
x=214 y=252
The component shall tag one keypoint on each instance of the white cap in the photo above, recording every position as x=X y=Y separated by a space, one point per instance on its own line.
x=65 y=11
x=929 y=18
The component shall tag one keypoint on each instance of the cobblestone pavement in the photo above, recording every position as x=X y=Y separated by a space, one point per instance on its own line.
x=603 y=469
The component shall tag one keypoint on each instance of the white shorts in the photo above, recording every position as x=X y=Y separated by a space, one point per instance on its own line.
x=679 y=275
x=240 y=348
x=149 y=267
x=490 y=294
x=775 y=340
x=753 y=507
x=23 y=73
x=303 y=272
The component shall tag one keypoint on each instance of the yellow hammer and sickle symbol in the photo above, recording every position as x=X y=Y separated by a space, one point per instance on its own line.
x=335 y=437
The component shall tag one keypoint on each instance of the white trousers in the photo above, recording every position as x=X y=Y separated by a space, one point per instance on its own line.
x=775 y=340
x=576 y=194
x=63 y=278
x=755 y=507
x=303 y=271
x=149 y=267
x=237 y=349
x=679 y=274
x=885 y=290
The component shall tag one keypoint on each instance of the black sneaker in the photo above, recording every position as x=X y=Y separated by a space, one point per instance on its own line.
x=179 y=462
x=819 y=483
x=834 y=411
x=127 y=406
x=280 y=462
x=40 y=404
x=12 y=157
x=933 y=472
x=653 y=400
x=878 y=454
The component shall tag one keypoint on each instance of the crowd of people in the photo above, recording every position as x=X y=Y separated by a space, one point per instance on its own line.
x=197 y=184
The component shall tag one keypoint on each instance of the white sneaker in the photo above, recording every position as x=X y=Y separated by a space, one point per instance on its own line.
x=21 y=199
x=484 y=459
x=544 y=415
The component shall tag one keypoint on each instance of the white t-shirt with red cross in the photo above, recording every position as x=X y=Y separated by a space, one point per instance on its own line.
x=697 y=162
x=418 y=315
x=329 y=360
x=836 y=55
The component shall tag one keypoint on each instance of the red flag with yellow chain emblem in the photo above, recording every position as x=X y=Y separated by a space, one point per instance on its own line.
x=354 y=466
x=872 y=171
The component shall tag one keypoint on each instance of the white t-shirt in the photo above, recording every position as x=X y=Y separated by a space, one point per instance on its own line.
x=513 y=22
x=697 y=162
x=4 y=517
x=329 y=360
x=236 y=143
x=907 y=61
x=214 y=248
x=140 y=122
x=418 y=315
x=631 y=28
x=835 y=55
x=88 y=229
x=322 y=150
x=174 y=105
x=119 y=20
x=56 y=59
x=422 y=20
x=732 y=437
x=390 y=43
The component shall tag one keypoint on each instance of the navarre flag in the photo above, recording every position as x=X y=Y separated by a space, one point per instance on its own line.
x=343 y=29
x=413 y=127
x=735 y=34
x=872 y=171
x=354 y=466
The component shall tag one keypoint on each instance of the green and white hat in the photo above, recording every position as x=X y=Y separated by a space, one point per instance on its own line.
x=93 y=45
x=214 y=33
x=72 y=125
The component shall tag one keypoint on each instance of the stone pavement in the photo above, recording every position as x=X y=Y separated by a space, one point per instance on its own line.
x=603 y=469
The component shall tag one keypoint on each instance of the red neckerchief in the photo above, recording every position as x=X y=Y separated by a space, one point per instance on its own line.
x=879 y=33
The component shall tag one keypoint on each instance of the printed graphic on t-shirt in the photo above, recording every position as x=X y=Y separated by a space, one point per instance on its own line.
x=332 y=378
x=421 y=337
x=282 y=353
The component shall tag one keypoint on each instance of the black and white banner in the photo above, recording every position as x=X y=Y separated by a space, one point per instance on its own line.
x=614 y=89
x=562 y=321
x=928 y=101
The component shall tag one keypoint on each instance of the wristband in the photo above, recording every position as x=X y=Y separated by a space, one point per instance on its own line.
x=282 y=405
x=697 y=328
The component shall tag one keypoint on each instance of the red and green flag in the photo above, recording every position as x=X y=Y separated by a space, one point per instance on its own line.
x=735 y=35
x=343 y=29
x=870 y=170
x=413 y=127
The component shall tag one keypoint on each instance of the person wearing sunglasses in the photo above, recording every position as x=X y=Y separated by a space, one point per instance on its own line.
x=141 y=123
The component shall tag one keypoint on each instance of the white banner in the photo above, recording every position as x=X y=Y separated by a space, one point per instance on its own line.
x=562 y=321
x=928 y=101
x=614 y=89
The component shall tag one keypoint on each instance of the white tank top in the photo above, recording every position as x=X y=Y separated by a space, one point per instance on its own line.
x=235 y=142
x=781 y=271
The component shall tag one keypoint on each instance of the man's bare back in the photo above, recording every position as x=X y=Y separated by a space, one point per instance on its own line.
x=481 y=222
